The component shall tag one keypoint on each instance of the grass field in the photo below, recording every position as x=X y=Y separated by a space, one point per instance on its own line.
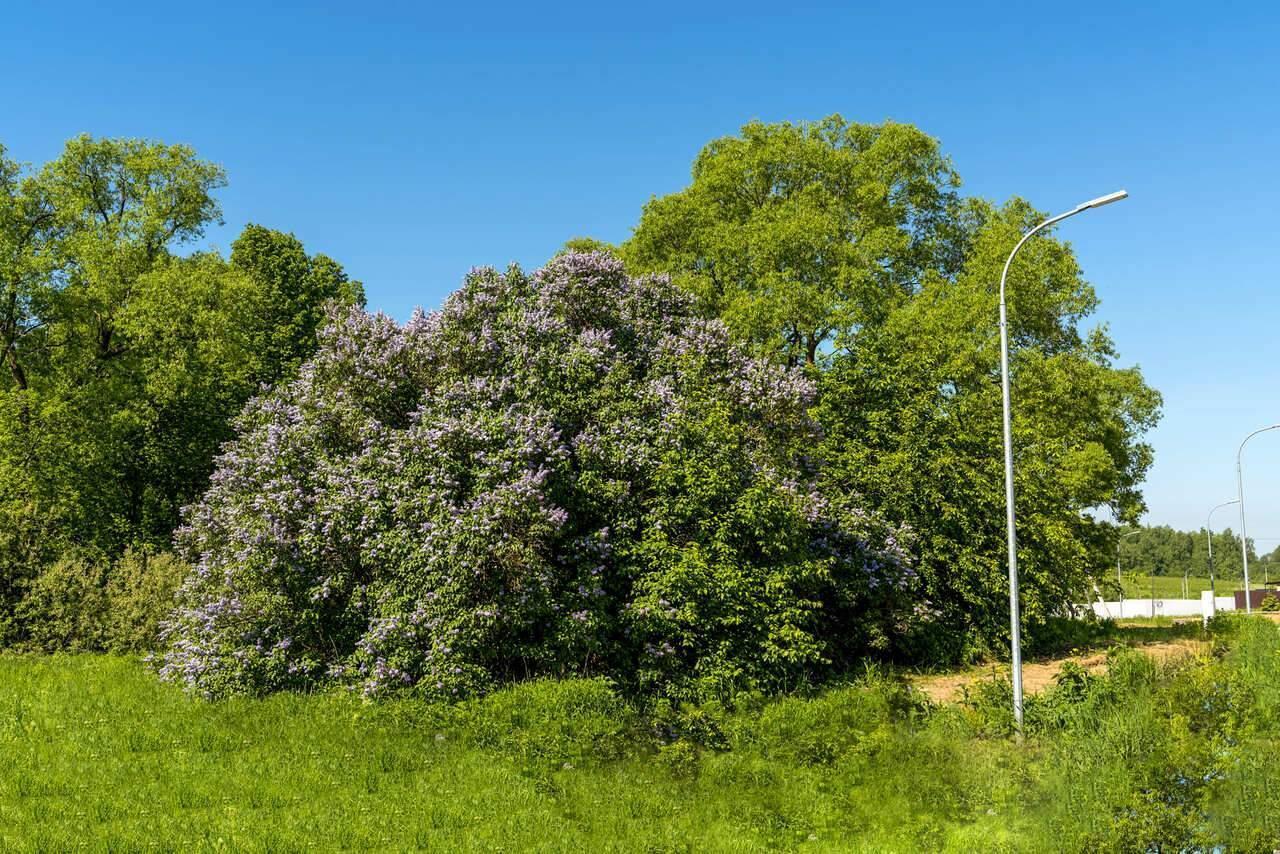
x=97 y=755
x=1170 y=586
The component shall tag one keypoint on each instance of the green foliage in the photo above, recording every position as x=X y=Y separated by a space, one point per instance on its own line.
x=586 y=244
x=140 y=594
x=1141 y=757
x=87 y=602
x=796 y=234
x=564 y=473
x=122 y=362
x=848 y=247
x=293 y=288
x=1059 y=635
x=913 y=424
x=65 y=607
x=545 y=724
x=1161 y=550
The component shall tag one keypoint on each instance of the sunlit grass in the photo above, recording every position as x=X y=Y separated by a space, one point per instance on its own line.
x=98 y=755
x=1139 y=586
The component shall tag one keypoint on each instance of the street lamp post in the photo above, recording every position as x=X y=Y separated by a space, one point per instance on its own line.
x=1208 y=528
x=1015 y=632
x=1119 y=578
x=1244 y=537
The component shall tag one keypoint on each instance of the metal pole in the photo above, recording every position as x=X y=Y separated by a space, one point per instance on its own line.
x=1015 y=629
x=1119 y=578
x=1244 y=537
x=1208 y=529
x=1208 y=535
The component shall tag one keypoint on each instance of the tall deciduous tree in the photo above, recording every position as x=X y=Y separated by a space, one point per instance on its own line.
x=795 y=234
x=122 y=363
x=912 y=413
x=295 y=287
x=848 y=247
x=26 y=226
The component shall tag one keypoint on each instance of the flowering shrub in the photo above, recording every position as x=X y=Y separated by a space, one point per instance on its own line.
x=564 y=473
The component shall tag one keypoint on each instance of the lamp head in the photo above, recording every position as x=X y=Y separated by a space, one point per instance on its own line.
x=1118 y=195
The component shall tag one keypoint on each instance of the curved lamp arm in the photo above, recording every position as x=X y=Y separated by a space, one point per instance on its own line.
x=1015 y=629
x=1208 y=533
x=1244 y=537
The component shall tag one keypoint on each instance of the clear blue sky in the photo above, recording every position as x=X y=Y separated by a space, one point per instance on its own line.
x=411 y=142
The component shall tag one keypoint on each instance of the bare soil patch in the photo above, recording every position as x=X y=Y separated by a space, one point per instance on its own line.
x=1038 y=675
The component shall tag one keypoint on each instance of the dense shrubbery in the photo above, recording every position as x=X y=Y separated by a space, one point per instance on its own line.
x=85 y=602
x=569 y=473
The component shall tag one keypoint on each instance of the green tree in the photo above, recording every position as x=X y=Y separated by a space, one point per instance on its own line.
x=194 y=326
x=849 y=248
x=586 y=244
x=797 y=234
x=295 y=287
x=211 y=333
x=123 y=362
x=77 y=236
x=26 y=229
x=912 y=412
x=1162 y=550
x=113 y=210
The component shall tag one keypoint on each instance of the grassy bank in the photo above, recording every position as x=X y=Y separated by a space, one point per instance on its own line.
x=98 y=755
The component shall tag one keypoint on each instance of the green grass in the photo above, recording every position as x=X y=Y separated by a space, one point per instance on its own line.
x=1170 y=586
x=97 y=755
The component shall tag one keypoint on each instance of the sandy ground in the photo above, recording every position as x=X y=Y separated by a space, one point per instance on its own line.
x=1038 y=675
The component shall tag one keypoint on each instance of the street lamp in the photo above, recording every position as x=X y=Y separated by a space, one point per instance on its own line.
x=1208 y=527
x=1015 y=631
x=1244 y=537
x=1119 y=579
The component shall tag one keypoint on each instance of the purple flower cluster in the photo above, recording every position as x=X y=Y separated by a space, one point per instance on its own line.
x=564 y=472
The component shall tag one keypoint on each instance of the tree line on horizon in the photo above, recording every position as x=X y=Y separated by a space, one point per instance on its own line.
x=842 y=254
x=1164 y=550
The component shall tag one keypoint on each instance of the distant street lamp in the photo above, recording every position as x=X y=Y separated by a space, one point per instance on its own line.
x=1244 y=537
x=1015 y=630
x=1119 y=578
x=1208 y=527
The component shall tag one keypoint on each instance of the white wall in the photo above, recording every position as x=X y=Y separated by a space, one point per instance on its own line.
x=1163 y=607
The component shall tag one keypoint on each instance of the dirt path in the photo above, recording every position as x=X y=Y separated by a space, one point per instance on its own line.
x=1038 y=675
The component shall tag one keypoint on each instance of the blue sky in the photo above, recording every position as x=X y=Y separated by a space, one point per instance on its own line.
x=412 y=143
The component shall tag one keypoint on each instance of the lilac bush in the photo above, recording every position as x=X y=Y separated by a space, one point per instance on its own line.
x=564 y=473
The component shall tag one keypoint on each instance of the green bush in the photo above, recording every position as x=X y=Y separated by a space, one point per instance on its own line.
x=64 y=607
x=140 y=593
x=1058 y=635
x=569 y=473
x=83 y=602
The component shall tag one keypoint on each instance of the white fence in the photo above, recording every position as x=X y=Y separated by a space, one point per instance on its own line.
x=1205 y=607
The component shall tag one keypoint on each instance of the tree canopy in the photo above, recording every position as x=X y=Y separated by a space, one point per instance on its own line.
x=798 y=234
x=123 y=360
x=849 y=247
x=1163 y=550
